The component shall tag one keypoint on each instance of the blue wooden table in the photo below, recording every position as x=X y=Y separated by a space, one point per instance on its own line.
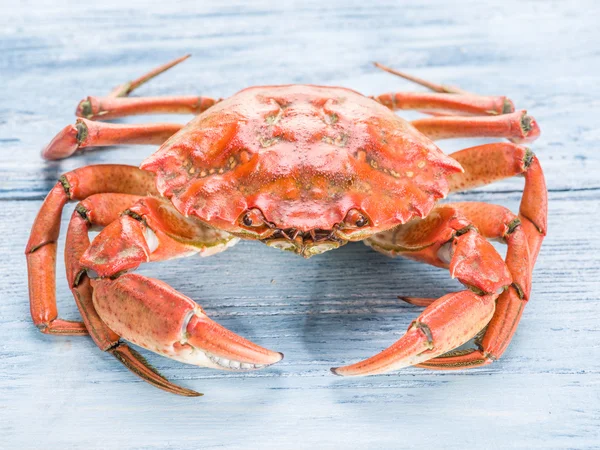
x=332 y=309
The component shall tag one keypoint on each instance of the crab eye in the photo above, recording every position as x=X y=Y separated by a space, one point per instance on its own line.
x=253 y=218
x=355 y=218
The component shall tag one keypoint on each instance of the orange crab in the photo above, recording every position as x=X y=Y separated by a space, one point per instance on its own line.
x=305 y=169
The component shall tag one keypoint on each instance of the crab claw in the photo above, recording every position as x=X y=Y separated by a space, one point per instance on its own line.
x=151 y=314
x=446 y=324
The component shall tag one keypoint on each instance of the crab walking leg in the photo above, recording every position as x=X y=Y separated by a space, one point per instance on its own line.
x=150 y=313
x=127 y=88
x=418 y=301
x=488 y=163
x=100 y=210
x=429 y=85
x=117 y=105
x=86 y=133
x=452 y=104
x=533 y=210
x=106 y=108
x=41 y=248
x=517 y=127
x=445 y=238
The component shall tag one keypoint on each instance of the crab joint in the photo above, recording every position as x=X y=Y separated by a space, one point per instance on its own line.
x=512 y=225
x=427 y=331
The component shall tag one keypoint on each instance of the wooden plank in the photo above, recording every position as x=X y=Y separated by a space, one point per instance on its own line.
x=332 y=309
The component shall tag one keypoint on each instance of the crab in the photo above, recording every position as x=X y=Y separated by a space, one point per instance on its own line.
x=305 y=169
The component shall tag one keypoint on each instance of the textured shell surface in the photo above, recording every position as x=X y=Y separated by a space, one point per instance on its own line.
x=304 y=156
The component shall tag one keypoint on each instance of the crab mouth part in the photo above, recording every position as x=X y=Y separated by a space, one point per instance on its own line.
x=293 y=234
x=305 y=243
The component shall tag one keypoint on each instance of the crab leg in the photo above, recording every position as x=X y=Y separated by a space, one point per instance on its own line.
x=117 y=105
x=446 y=324
x=160 y=235
x=86 y=133
x=454 y=104
x=447 y=100
x=533 y=211
x=447 y=239
x=485 y=164
x=100 y=210
x=96 y=210
x=418 y=301
x=428 y=84
x=533 y=222
x=495 y=222
x=517 y=126
x=41 y=248
x=150 y=313
x=125 y=89
x=154 y=310
x=488 y=163
x=106 y=108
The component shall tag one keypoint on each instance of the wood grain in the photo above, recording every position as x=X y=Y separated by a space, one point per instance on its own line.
x=335 y=308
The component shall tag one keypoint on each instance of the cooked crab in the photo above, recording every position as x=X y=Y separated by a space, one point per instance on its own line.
x=304 y=169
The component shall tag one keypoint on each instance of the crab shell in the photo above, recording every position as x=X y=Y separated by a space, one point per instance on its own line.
x=304 y=168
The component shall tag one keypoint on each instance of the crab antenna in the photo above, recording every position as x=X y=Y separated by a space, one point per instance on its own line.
x=127 y=88
x=428 y=84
